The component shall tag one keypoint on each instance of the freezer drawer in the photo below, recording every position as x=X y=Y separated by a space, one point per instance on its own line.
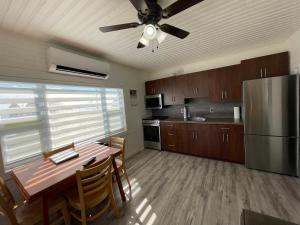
x=273 y=154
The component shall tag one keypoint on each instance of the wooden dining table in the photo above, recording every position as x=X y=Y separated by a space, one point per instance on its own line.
x=42 y=178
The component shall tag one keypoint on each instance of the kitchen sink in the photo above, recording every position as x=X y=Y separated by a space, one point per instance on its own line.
x=197 y=119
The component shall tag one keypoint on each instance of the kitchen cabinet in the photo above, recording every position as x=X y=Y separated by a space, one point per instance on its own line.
x=173 y=137
x=198 y=136
x=266 y=66
x=227 y=143
x=153 y=87
x=225 y=84
x=196 y=85
x=216 y=141
x=172 y=90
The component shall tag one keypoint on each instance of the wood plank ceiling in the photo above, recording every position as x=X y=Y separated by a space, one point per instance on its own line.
x=218 y=27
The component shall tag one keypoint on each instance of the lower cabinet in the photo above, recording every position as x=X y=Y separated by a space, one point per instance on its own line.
x=217 y=141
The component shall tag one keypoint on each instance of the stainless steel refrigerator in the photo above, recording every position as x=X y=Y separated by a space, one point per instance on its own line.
x=271 y=114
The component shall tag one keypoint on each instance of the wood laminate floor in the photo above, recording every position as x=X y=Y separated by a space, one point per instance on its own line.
x=175 y=189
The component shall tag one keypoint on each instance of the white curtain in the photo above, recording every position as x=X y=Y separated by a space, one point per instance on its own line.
x=40 y=117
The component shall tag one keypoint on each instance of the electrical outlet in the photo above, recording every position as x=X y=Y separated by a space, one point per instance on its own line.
x=211 y=109
x=296 y=71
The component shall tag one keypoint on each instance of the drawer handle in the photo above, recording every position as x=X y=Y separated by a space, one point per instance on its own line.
x=171 y=134
x=171 y=145
x=170 y=125
x=225 y=128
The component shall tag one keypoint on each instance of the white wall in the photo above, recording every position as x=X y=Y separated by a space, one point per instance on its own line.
x=293 y=44
x=218 y=62
x=24 y=59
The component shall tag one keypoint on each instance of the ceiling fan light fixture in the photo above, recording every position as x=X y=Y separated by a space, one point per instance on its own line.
x=144 y=41
x=150 y=32
x=161 y=36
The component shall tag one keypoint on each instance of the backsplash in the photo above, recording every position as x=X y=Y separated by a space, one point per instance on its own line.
x=199 y=107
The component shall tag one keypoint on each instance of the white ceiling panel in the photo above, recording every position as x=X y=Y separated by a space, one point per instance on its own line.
x=217 y=27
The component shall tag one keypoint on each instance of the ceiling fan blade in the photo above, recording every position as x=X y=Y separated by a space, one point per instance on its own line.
x=139 y=5
x=179 y=6
x=119 y=27
x=177 y=32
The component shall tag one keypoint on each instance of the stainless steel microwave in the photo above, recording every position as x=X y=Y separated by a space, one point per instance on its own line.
x=154 y=101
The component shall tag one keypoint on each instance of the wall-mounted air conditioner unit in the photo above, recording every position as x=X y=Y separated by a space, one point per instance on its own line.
x=60 y=61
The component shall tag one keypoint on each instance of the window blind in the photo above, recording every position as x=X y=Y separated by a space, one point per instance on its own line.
x=40 y=117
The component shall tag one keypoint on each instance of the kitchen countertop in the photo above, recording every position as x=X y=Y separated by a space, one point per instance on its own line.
x=230 y=121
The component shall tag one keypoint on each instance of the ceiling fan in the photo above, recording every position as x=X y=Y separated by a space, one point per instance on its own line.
x=150 y=14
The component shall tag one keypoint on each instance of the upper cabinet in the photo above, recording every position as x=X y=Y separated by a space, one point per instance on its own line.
x=266 y=66
x=220 y=85
x=196 y=85
x=153 y=87
x=225 y=84
x=172 y=90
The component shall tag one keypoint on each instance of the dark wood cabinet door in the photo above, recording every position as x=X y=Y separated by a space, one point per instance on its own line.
x=153 y=87
x=168 y=90
x=196 y=85
x=178 y=93
x=266 y=66
x=233 y=84
x=252 y=69
x=216 y=84
x=235 y=150
x=203 y=138
x=216 y=142
x=276 y=65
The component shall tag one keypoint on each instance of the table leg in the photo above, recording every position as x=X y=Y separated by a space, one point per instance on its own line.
x=122 y=193
x=45 y=210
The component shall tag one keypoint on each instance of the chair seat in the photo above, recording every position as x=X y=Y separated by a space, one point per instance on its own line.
x=31 y=213
x=93 y=199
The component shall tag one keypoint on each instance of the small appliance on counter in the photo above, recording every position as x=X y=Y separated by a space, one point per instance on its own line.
x=154 y=101
x=272 y=124
x=152 y=137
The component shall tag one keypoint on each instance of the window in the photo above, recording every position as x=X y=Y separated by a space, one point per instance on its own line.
x=40 y=117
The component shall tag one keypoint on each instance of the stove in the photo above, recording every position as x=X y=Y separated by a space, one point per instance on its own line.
x=151 y=127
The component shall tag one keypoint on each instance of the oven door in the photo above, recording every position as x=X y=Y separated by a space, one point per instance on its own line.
x=152 y=136
x=154 y=101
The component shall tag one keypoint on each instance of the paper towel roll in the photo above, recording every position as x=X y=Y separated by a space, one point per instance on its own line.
x=236 y=112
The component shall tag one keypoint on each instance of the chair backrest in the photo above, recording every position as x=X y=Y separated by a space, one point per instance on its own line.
x=7 y=202
x=118 y=142
x=94 y=186
x=51 y=153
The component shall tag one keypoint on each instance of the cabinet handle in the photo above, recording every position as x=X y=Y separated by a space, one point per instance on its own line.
x=196 y=135
x=265 y=71
x=222 y=94
x=227 y=138
x=225 y=128
x=171 y=145
x=170 y=125
x=171 y=134
x=174 y=99
x=196 y=90
x=261 y=73
x=226 y=96
x=193 y=135
x=223 y=135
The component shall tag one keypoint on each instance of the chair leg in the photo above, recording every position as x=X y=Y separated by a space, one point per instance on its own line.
x=114 y=204
x=126 y=176
x=66 y=215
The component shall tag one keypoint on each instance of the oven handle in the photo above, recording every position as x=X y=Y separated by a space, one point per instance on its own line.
x=151 y=125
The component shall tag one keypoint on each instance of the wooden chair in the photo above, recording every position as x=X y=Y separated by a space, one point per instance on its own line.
x=94 y=194
x=30 y=214
x=120 y=142
x=50 y=153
